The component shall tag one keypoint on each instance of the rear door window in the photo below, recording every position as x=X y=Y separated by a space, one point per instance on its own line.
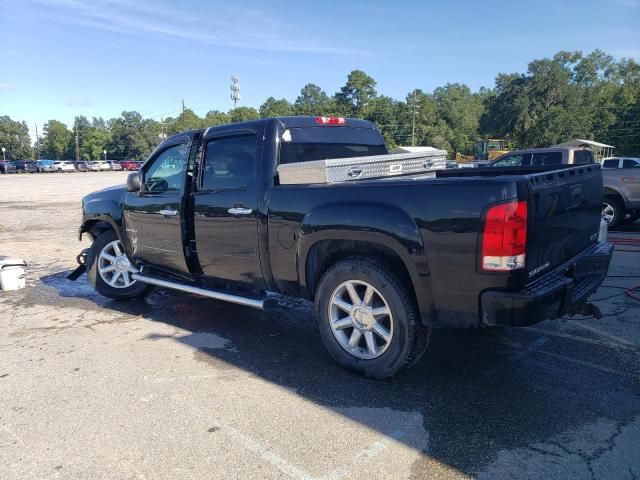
x=611 y=163
x=229 y=162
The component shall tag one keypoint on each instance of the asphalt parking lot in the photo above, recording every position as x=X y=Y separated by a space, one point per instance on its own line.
x=179 y=386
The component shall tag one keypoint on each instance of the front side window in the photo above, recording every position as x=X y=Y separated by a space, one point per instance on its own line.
x=629 y=163
x=166 y=173
x=229 y=162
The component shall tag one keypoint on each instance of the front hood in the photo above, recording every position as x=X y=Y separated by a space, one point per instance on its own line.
x=104 y=202
x=109 y=193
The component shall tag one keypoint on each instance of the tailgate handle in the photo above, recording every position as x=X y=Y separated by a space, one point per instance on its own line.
x=354 y=172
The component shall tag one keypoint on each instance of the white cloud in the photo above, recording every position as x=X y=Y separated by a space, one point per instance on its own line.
x=226 y=25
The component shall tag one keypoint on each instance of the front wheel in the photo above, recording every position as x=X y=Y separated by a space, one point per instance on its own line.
x=612 y=210
x=109 y=269
x=368 y=319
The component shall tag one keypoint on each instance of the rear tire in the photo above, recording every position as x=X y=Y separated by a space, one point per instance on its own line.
x=102 y=279
x=612 y=210
x=358 y=334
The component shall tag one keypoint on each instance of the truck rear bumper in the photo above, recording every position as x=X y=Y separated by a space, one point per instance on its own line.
x=560 y=292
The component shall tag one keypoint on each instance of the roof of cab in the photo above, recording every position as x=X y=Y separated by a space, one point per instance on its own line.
x=300 y=121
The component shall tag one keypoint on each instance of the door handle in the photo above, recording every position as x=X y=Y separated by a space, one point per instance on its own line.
x=167 y=212
x=239 y=211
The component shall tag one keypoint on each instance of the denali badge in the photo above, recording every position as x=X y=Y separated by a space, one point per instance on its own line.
x=539 y=269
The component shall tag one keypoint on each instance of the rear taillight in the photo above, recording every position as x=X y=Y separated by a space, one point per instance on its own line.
x=331 y=120
x=504 y=239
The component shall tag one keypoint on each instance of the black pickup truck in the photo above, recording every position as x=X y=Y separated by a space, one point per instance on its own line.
x=384 y=260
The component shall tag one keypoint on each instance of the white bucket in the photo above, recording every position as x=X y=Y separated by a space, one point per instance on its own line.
x=12 y=276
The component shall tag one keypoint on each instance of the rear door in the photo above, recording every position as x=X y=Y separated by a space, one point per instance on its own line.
x=565 y=210
x=153 y=216
x=225 y=208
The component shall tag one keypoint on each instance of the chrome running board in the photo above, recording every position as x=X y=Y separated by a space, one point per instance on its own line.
x=225 y=297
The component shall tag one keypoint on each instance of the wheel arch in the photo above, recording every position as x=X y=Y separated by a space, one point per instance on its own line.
x=387 y=234
x=611 y=191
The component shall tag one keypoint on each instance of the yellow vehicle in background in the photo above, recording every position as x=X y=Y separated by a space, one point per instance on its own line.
x=487 y=149
x=490 y=148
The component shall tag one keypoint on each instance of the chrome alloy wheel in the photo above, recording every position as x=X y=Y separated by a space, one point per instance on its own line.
x=114 y=266
x=608 y=212
x=360 y=319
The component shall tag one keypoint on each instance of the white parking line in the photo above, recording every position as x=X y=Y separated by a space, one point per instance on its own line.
x=294 y=472
x=605 y=334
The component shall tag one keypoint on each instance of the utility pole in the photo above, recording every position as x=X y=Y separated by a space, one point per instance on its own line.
x=77 y=142
x=413 y=123
x=37 y=141
x=183 y=106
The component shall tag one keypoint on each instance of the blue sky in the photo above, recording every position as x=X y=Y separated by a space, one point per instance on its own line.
x=61 y=58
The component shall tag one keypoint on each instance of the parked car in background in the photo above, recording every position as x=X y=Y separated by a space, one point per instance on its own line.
x=98 y=166
x=8 y=166
x=621 y=203
x=130 y=165
x=535 y=157
x=81 y=166
x=63 y=166
x=45 y=166
x=621 y=162
x=113 y=165
x=26 y=166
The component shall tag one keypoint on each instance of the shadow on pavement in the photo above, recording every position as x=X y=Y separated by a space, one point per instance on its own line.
x=478 y=392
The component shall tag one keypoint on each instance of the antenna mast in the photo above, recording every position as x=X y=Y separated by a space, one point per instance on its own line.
x=235 y=90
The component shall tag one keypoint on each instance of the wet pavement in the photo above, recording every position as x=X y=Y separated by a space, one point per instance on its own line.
x=179 y=386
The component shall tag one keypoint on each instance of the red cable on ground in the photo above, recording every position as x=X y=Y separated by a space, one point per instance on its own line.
x=630 y=292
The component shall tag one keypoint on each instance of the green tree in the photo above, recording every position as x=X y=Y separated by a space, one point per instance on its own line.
x=187 y=120
x=14 y=138
x=216 y=117
x=128 y=140
x=276 y=108
x=313 y=101
x=55 y=140
x=356 y=94
x=242 y=114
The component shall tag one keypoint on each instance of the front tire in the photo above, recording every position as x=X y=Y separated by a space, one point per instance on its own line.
x=109 y=269
x=368 y=319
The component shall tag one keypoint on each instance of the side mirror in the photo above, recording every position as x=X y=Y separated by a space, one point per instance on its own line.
x=134 y=182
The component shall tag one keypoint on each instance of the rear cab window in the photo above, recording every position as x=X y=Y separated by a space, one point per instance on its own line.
x=582 y=156
x=305 y=144
x=546 y=158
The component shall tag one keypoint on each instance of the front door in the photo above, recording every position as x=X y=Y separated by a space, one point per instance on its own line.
x=225 y=210
x=152 y=216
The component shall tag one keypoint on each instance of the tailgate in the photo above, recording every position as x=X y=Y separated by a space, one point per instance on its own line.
x=564 y=216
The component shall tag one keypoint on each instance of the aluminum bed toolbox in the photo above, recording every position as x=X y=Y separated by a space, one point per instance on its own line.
x=361 y=168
